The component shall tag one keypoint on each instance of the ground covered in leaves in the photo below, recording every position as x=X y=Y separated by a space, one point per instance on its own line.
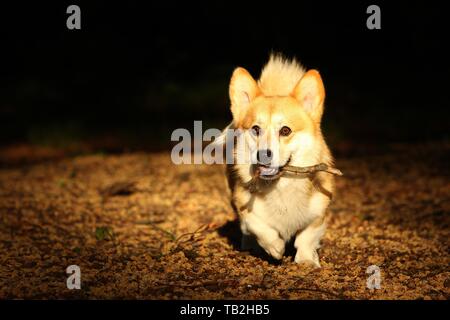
x=140 y=227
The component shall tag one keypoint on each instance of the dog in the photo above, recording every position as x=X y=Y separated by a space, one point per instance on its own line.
x=279 y=118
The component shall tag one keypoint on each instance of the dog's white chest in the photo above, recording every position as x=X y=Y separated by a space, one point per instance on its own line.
x=286 y=207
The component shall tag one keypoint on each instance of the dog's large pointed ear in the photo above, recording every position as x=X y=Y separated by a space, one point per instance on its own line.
x=311 y=94
x=243 y=89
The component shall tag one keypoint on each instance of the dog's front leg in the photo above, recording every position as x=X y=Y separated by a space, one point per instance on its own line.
x=307 y=242
x=267 y=237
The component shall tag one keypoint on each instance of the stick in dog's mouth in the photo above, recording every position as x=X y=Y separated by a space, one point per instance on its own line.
x=267 y=174
x=313 y=169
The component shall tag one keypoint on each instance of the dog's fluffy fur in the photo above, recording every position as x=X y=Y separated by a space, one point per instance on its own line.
x=289 y=205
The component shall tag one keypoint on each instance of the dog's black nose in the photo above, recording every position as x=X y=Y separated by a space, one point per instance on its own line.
x=264 y=156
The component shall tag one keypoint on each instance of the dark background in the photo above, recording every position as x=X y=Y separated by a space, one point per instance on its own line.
x=135 y=71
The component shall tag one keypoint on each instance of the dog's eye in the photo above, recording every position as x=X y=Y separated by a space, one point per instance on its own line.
x=256 y=130
x=285 y=131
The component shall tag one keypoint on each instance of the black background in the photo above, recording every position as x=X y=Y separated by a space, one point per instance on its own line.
x=136 y=71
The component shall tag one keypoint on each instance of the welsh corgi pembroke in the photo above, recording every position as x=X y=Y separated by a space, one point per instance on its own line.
x=279 y=119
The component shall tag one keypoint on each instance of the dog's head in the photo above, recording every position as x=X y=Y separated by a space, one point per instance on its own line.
x=278 y=129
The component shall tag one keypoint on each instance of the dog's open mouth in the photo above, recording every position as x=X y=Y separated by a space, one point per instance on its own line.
x=268 y=173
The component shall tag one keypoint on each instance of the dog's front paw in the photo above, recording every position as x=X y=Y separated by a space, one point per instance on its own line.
x=311 y=258
x=274 y=248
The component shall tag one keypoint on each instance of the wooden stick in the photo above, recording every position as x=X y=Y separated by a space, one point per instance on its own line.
x=313 y=169
x=255 y=184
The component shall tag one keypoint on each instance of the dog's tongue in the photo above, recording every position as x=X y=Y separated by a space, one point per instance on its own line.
x=264 y=171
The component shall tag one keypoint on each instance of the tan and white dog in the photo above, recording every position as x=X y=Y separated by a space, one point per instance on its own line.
x=279 y=117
